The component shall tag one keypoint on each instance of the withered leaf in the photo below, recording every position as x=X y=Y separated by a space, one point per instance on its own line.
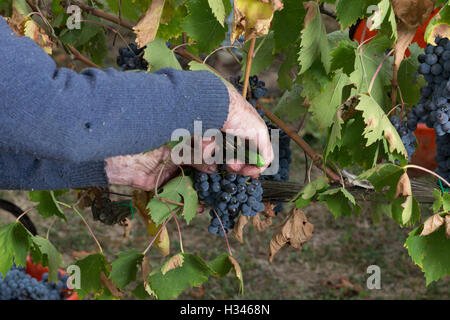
x=237 y=272
x=431 y=224
x=253 y=17
x=295 y=231
x=147 y=27
x=174 y=262
x=403 y=186
x=311 y=11
x=268 y=209
x=261 y=225
x=35 y=32
x=413 y=13
x=145 y=271
x=238 y=230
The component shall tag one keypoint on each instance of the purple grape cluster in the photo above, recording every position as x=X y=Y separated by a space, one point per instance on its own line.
x=433 y=108
x=130 y=58
x=257 y=89
x=229 y=195
x=406 y=131
x=18 y=285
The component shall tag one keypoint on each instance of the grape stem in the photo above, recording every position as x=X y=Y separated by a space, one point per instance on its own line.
x=25 y=212
x=82 y=58
x=157 y=234
x=378 y=71
x=412 y=166
x=248 y=66
x=224 y=232
x=84 y=221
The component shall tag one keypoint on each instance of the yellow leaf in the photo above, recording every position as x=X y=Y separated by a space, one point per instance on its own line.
x=35 y=32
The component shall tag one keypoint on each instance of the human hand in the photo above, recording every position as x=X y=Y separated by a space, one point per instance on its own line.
x=244 y=121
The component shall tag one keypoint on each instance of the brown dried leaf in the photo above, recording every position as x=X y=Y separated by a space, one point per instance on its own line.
x=413 y=13
x=238 y=230
x=295 y=231
x=403 y=186
x=16 y=22
x=447 y=226
x=145 y=270
x=237 y=272
x=261 y=225
x=268 y=209
x=127 y=225
x=111 y=286
x=311 y=11
x=147 y=27
x=174 y=262
x=431 y=224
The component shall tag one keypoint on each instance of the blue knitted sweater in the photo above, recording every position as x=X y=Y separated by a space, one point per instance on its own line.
x=57 y=126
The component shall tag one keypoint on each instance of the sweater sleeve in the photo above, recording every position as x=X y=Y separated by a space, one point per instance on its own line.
x=58 y=114
x=25 y=172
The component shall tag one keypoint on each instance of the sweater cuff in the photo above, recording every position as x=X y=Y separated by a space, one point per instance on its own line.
x=88 y=174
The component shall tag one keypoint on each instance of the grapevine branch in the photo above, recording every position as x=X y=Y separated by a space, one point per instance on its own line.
x=82 y=58
x=248 y=66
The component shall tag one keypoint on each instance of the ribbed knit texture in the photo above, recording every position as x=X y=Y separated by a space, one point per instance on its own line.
x=58 y=126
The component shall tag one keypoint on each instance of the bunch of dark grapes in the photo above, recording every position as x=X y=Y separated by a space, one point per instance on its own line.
x=257 y=90
x=131 y=58
x=406 y=131
x=433 y=108
x=18 y=285
x=229 y=195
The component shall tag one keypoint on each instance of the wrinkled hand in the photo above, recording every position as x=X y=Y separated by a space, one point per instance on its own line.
x=142 y=170
x=244 y=121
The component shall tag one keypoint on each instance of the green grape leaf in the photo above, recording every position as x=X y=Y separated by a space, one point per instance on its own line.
x=368 y=59
x=130 y=9
x=47 y=256
x=310 y=190
x=202 y=26
x=287 y=23
x=175 y=190
x=159 y=56
x=430 y=253
x=325 y=105
x=408 y=79
x=383 y=19
x=223 y=264
x=97 y=48
x=48 y=206
x=437 y=204
x=378 y=126
x=264 y=56
x=88 y=30
x=140 y=293
x=218 y=9
x=286 y=73
x=405 y=210
x=313 y=81
x=349 y=11
x=124 y=268
x=343 y=57
x=170 y=26
x=334 y=139
x=446 y=201
x=383 y=175
x=314 y=42
x=378 y=208
x=15 y=242
x=290 y=104
x=179 y=273
x=339 y=201
x=90 y=269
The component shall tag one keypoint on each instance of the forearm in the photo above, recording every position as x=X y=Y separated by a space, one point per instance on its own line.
x=24 y=172
x=59 y=114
